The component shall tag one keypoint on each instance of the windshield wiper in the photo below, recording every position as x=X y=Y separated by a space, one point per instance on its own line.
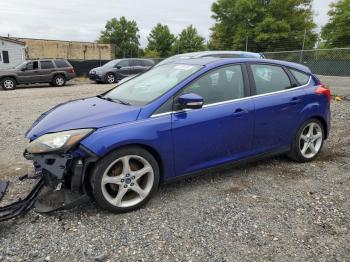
x=115 y=100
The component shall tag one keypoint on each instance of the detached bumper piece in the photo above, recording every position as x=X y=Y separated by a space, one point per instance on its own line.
x=21 y=206
x=3 y=187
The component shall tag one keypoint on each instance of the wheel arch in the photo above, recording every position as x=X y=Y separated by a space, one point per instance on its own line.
x=149 y=149
x=9 y=76
x=324 y=125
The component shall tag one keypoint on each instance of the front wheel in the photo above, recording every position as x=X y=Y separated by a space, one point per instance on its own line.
x=8 y=83
x=125 y=179
x=308 y=142
x=110 y=78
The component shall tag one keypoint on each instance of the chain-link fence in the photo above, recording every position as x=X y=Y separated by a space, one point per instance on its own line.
x=329 y=62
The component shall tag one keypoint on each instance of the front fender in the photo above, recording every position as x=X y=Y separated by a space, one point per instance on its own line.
x=154 y=133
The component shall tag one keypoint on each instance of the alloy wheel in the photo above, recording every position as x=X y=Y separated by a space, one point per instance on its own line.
x=110 y=78
x=9 y=84
x=311 y=140
x=60 y=81
x=127 y=181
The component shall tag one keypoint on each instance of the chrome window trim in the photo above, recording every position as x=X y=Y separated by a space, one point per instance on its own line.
x=234 y=100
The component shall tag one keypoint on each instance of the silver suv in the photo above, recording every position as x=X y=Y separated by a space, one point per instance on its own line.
x=56 y=72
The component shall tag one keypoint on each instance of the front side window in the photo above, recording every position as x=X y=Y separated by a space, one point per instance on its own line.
x=219 y=85
x=152 y=84
x=269 y=79
x=46 y=65
x=33 y=65
x=123 y=63
x=302 y=78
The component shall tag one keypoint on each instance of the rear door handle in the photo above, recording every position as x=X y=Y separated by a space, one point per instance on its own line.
x=239 y=112
x=296 y=100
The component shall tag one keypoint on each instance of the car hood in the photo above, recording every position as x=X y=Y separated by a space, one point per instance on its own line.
x=97 y=69
x=7 y=71
x=84 y=113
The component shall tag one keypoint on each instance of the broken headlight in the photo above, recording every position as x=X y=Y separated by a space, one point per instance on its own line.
x=61 y=141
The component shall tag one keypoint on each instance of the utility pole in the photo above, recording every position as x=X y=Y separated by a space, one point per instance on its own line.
x=246 y=43
x=303 y=47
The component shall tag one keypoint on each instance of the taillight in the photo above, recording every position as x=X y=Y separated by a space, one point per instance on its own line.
x=71 y=70
x=322 y=90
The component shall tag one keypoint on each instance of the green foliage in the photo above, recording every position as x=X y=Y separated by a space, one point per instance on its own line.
x=160 y=40
x=123 y=34
x=189 y=41
x=150 y=53
x=269 y=25
x=336 y=33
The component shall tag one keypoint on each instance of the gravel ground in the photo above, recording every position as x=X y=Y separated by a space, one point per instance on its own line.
x=271 y=210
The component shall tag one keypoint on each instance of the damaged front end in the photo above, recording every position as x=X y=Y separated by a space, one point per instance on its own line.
x=60 y=163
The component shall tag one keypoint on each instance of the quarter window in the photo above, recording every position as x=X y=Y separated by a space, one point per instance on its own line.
x=302 y=78
x=61 y=63
x=220 y=85
x=269 y=79
x=46 y=65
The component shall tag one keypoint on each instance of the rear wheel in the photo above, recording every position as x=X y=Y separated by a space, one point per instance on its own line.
x=8 y=83
x=308 y=142
x=59 y=80
x=125 y=179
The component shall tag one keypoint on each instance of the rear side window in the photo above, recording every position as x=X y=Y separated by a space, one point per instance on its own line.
x=302 y=78
x=134 y=63
x=61 y=63
x=147 y=63
x=269 y=79
x=46 y=65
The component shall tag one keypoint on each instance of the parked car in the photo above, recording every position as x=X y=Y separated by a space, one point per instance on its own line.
x=179 y=119
x=218 y=54
x=116 y=70
x=56 y=72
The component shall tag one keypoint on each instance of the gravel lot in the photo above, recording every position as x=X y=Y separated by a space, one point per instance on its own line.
x=271 y=210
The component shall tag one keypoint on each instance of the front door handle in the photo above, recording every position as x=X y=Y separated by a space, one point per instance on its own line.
x=239 y=112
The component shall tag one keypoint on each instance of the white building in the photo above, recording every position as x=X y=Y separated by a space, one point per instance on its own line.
x=12 y=52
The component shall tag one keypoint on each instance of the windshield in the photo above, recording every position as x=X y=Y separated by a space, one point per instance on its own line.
x=21 y=65
x=110 y=64
x=148 y=86
x=172 y=58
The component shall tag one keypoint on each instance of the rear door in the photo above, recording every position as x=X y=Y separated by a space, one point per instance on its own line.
x=278 y=102
x=136 y=67
x=222 y=130
x=46 y=70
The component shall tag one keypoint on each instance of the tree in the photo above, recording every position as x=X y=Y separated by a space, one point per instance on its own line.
x=265 y=25
x=189 y=41
x=150 y=53
x=160 y=40
x=336 y=33
x=123 y=34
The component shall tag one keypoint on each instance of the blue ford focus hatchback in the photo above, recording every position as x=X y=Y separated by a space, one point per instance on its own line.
x=175 y=120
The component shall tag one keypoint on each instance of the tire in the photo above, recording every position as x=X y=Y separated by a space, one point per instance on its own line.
x=307 y=144
x=119 y=187
x=59 y=80
x=8 y=83
x=110 y=78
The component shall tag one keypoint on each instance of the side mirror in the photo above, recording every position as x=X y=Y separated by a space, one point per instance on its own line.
x=118 y=67
x=190 y=101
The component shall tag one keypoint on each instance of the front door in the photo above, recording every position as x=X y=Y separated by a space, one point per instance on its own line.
x=222 y=130
x=30 y=73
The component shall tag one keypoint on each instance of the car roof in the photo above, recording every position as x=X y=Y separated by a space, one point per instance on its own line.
x=204 y=53
x=206 y=61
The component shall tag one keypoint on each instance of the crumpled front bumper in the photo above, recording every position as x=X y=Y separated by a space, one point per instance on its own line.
x=66 y=172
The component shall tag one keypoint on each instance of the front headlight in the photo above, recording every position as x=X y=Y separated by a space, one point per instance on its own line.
x=61 y=141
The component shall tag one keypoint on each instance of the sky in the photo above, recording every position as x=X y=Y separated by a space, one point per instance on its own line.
x=82 y=20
